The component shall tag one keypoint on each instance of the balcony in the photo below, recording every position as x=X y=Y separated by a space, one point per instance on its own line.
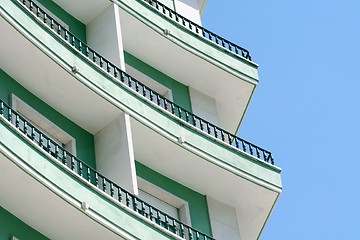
x=93 y=179
x=51 y=56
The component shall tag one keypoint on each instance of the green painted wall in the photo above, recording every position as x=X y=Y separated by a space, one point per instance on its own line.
x=197 y=202
x=75 y=26
x=180 y=92
x=84 y=140
x=12 y=226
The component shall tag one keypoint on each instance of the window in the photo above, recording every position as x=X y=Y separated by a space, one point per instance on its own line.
x=149 y=82
x=44 y=125
x=164 y=201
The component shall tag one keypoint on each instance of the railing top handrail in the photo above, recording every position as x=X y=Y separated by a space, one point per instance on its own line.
x=200 y=30
x=115 y=72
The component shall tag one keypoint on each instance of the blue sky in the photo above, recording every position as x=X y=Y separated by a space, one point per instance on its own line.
x=306 y=108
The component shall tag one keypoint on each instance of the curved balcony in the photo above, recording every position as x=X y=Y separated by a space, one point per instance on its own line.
x=195 y=28
x=167 y=106
x=102 y=184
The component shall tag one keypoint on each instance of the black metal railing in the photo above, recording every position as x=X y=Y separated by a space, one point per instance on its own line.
x=195 y=28
x=126 y=80
x=66 y=160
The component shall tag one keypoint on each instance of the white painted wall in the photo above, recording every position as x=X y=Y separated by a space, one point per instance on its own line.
x=104 y=35
x=189 y=9
x=115 y=153
x=203 y=106
x=223 y=220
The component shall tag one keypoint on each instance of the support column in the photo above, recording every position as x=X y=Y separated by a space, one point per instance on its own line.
x=104 y=35
x=115 y=153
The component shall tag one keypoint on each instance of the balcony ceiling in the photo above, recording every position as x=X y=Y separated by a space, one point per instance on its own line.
x=84 y=10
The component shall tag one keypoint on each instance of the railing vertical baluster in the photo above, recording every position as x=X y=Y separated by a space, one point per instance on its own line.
x=135 y=204
x=243 y=145
x=96 y=179
x=73 y=163
x=101 y=62
x=2 y=108
x=104 y=184
x=208 y=128
x=165 y=104
x=107 y=67
x=197 y=235
x=158 y=218
x=127 y=198
x=41 y=140
x=158 y=99
x=151 y=214
x=25 y=127
x=122 y=76
x=80 y=168
x=251 y=148
x=143 y=208
x=119 y=194
x=174 y=226
x=111 y=189
x=88 y=175
x=17 y=121
x=56 y=151
x=10 y=115
x=32 y=133
x=151 y=95
x=182 y=230
x=172 y=108
x=66 y=35
x=166 y=222
x=216 y=132
x=144 y=91
x=190 y=234
x=80 y=47
x=201 y=124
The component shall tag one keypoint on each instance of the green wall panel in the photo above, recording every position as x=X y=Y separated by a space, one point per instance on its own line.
x=180 y=92
x=197 y=202
x=12 y=226
x=75 y=26
x=84 y=140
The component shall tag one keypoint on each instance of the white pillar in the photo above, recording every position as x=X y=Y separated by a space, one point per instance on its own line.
x=104 y=35
x=115 y=153
x=223 y=219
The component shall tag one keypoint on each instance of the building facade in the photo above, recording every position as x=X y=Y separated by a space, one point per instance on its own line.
x=118 y=120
